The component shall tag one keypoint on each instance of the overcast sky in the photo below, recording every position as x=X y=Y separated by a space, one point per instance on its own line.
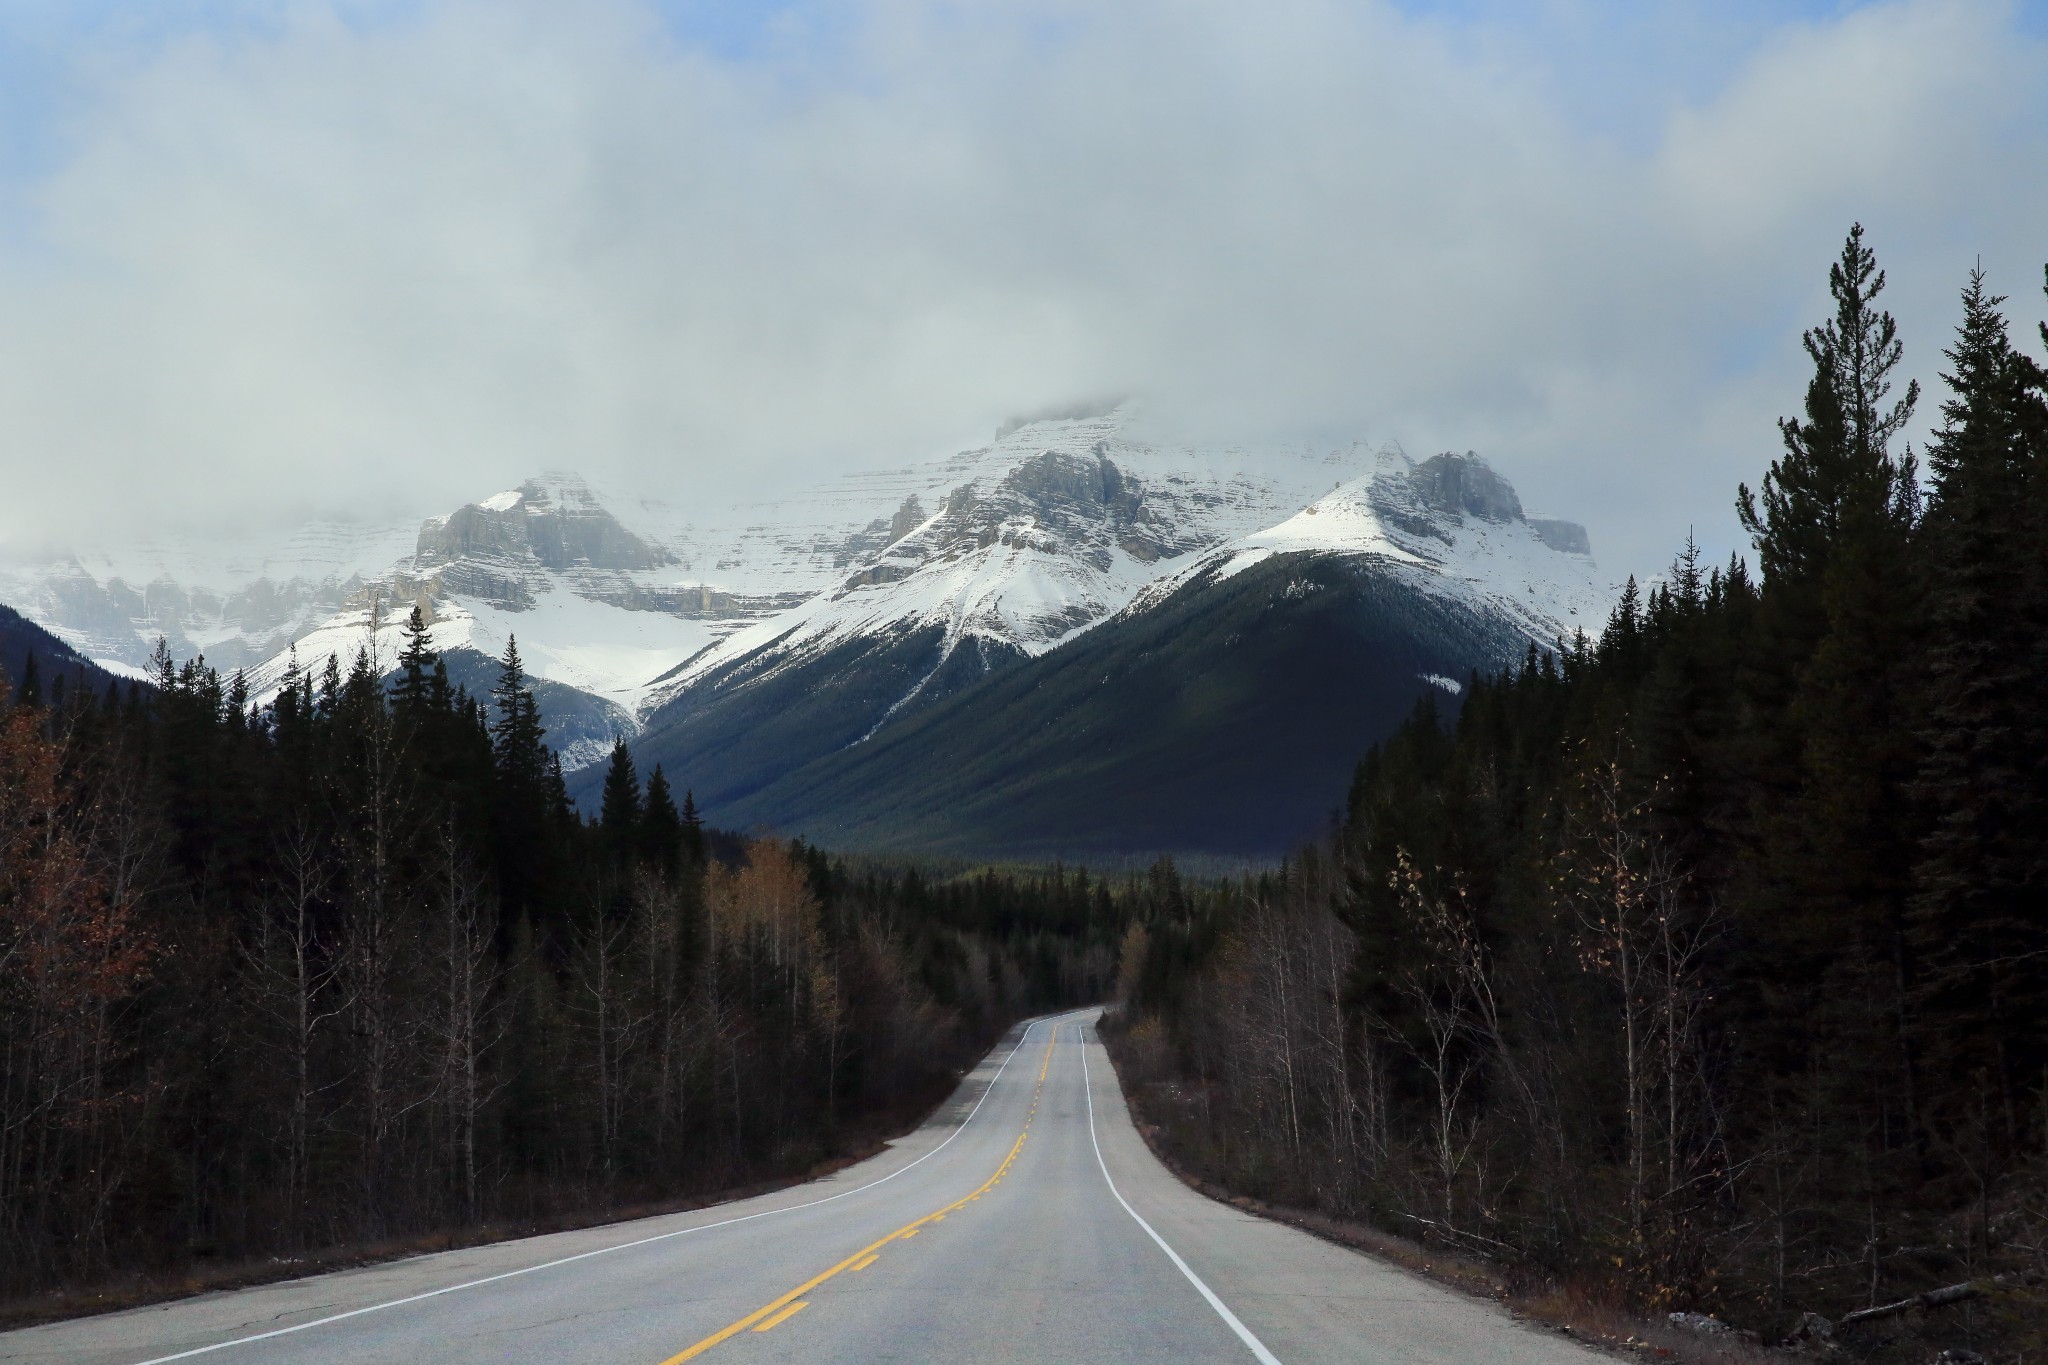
x=260 y=262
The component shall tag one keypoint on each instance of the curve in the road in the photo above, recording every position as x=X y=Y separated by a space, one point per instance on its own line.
x=1230 y=1319
x=605 y=1250
x=1026 y=1224
x=780 y=1310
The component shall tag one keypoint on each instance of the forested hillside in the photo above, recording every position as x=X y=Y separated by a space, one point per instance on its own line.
x=39 y=663
x=1706 y=961
x=349 y=968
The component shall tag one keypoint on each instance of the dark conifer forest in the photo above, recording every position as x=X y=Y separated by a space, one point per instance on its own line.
x=1702 y=964
x=1705 y=961
x=348 y=969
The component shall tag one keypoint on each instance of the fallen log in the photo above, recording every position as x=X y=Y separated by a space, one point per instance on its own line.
x=1933 y=1298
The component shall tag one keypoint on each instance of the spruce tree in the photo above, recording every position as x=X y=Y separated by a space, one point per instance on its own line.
x=693 y=829
x=523 y=796
x=620 y=815
x=1837 y=467
x=517 y=734
x=1830 y=749
x=411 y=693
x=661 y=831
x=1983 y=869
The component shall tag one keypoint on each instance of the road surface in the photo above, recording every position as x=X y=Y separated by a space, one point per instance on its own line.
x=1025 y=1222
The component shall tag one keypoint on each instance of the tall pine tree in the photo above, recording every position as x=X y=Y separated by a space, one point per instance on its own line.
x=1832 y=750
x=621 y=814
x=1983 y=870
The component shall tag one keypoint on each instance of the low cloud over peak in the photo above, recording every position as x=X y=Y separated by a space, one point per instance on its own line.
x=340 y=260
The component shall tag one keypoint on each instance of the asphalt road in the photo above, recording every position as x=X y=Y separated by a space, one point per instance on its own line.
x=1026 y=1221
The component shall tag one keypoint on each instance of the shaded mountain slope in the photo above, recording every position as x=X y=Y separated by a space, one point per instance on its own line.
x=1223 y=719
x=21 y=637
x=750 y=725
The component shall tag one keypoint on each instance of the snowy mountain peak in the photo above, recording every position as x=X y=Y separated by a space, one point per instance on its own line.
x=1002 y=552
x=507 y=548
x=1453 y=524
x=1038 y=536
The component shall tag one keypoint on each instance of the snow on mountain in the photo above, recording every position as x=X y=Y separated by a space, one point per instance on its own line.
x=1010 y=549
x=1455 y=525
x=235 y=606
x=1021 y=545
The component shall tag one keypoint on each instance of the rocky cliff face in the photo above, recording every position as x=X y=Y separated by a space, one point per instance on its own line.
x=507 y=548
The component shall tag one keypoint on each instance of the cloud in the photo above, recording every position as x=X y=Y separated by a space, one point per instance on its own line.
x=351 y=263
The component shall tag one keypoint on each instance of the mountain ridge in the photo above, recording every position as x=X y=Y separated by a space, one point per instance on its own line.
x=779 y=639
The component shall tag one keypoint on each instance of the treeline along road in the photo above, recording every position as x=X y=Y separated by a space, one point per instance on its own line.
x=1026 y=1221
x=1698 y=966
x=347 y=969
x=1704 y=964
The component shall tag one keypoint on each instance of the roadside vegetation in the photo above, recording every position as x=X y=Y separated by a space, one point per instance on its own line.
x=348 y=971
x=1699 y=968
x=1702 y=967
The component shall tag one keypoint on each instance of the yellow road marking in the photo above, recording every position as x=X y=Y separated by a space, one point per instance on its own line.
x=784 y=1316
x=781 y=1309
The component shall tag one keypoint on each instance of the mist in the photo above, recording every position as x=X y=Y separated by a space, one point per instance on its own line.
x=267 y=263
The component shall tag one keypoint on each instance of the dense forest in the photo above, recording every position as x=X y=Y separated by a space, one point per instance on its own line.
x=1704 y=963
x=347 y=968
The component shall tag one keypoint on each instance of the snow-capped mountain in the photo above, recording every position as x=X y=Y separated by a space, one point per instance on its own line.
x=938 y=692
x=112 y=603
x=765 y=635
x=1062 y=524
x=1012 y=549
x=1454 y=526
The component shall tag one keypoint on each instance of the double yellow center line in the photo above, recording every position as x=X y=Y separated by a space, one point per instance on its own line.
x=781 y=1310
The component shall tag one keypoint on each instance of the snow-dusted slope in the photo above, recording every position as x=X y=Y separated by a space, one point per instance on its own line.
x=112 y=603
x=960 y=565
x=1079 y=660
x=594 y=605
x=1019 y=546
x=1455 y=526
x=1059 y=525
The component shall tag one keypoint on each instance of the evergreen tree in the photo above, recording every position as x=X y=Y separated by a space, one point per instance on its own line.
x=412 y=693
x=661 y=832
x=1833 y=693
x=1983 y=871
x=522 y=802
x=561 y=810
x=31 y=691
x=1837 y=464
x=693 y=829
x=330 y=686
x=621 y=814
x=517 y=734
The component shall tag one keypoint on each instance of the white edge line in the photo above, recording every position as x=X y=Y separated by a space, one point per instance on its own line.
x=1244 y=1333
x=604 y=1251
